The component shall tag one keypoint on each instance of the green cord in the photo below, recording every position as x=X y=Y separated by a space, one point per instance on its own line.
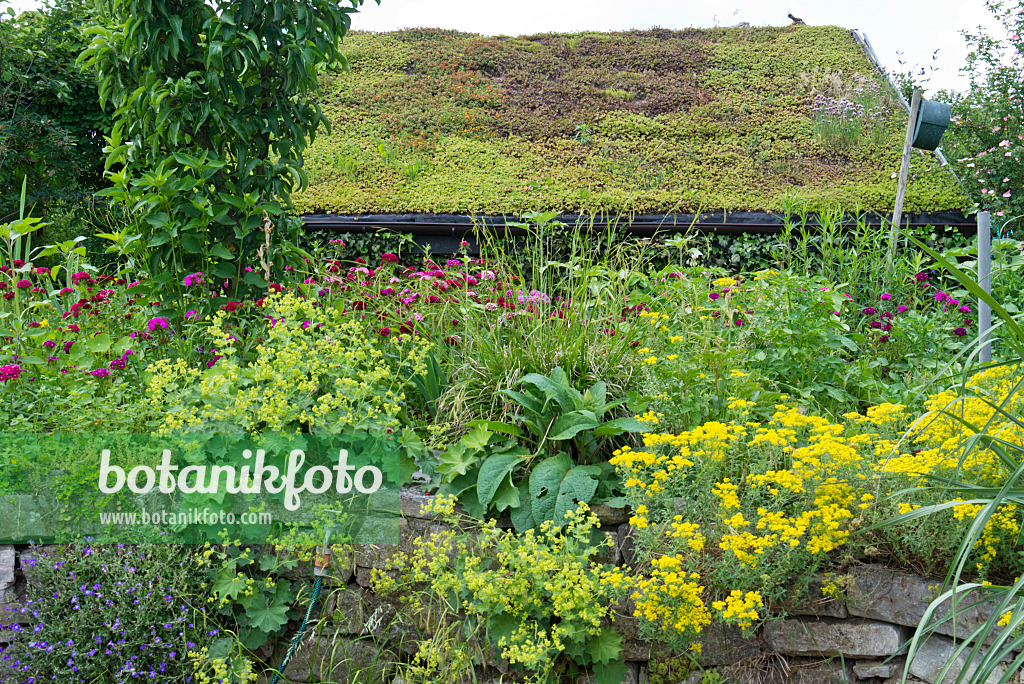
x=302 y=628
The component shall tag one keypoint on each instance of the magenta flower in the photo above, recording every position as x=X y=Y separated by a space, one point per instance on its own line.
x=193 y=279
x=713 y=296
x=158 y=322
x=886 y=296
x=869 y=311
x=23 y=284
x=385 y=331
x=901 y=308
x=964 y=309
x=100 y=373
x=9 y=372
x=960 y=332
x=940 y=296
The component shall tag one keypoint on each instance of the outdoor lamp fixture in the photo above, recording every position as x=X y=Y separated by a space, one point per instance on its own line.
x=927 y=122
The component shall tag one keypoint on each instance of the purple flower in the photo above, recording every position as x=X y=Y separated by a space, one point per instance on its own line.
x=960 y=332
x=100 y=373
x=869 y=311
x=713 y=296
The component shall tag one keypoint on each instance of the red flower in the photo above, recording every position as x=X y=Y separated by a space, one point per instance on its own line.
x=385 y=331
x=231 y=306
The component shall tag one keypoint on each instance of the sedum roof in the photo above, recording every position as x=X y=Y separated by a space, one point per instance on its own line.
x=658 y=121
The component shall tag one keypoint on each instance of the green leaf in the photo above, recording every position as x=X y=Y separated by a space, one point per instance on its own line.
x=229 y=582
x=494 y=469
x=100 y=343
x=545 y=483
x=221 y=252
x=267 y=615
x=611 y=673
x=522 y=516
x=571 y=424
x=620 y=425
x=604 y=646
x=494 y=426
x=507 y=495
x=477 y=438
x=579 y=484
x=254 y=278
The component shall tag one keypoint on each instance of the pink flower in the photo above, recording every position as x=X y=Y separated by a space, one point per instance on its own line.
x=900 y=309
x=886 y=296
x=158 y=322
x=385 y=258
x=100 y=373
x=23 y=284
x=940 y=296
x=193 y=279
x=9 y=372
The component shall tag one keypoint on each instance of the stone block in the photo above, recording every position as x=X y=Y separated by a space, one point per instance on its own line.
x=627 y=546
x=815 y=603
x=725 y=645
x=871 y=669
x=610 y=517
x=829 y=638
x=879 y=593
x=933 y=655
x=608 y=554
x=6 y=566
x=321 y=658
x=344 y=608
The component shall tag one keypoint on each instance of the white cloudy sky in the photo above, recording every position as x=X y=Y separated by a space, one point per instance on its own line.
x=915 y=28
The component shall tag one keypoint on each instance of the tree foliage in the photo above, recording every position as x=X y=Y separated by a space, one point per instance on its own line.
x=212 y=116
x=985 y=140
x=51 y=122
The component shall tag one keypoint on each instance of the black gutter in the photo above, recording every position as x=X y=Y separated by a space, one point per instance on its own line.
x=457 y=225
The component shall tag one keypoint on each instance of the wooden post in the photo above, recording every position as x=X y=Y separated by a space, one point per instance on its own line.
x=901 y=188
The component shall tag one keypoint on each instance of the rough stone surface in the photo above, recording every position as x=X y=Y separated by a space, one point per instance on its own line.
x=816 y=603
x=882 y=594
x=933 y=655
x=869 y=669
x=609 y=554
x=345 y=608
x=338 y=659
x=610 y=517
x=627 y=546
x=828 y=638
x=6 y=566
x=725 y=645
x=828 y=672
x=412 y=500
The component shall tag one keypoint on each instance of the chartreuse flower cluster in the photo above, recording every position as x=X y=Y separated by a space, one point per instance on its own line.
x=538 y=597
x=309 y=371
x=729 y=513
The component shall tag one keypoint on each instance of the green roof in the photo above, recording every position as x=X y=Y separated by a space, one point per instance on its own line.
x=657 y=121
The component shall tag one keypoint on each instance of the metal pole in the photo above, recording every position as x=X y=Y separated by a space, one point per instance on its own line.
x=985 y=281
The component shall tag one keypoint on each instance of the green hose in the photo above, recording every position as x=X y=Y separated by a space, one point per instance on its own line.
x=302 y=629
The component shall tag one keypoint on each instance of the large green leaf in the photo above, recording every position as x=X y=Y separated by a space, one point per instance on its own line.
x=267 y=613
x=494 y=470
x=620 y=425
x=545 y=482
x=604 y=646
x=571 y=424
x=579 y=484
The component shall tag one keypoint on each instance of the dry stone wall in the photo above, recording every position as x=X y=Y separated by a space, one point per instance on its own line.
x=860 y=638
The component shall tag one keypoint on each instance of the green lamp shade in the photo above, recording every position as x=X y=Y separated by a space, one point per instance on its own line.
x=932 y=121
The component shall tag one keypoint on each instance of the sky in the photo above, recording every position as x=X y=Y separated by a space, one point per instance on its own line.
x=907 y=30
